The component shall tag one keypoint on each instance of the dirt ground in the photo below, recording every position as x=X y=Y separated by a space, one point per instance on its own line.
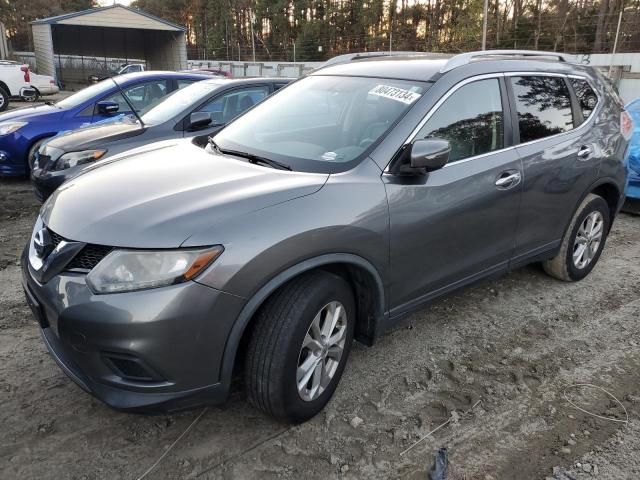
x=515 y=345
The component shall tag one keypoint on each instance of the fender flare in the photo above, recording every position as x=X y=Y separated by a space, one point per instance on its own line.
x=598 y=183
x=255 y=301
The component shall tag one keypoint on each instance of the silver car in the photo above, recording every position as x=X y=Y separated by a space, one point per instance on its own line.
x=327 y=213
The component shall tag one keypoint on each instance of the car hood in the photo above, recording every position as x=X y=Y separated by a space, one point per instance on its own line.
x=161 y=197
x=93 y=136
x=28 y=113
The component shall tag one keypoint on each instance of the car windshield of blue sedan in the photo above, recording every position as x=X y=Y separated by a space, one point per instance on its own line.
x=181 y=100
x=85 y=94
x=321 y=120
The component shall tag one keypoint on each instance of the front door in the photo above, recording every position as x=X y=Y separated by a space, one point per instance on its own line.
x=457 y=223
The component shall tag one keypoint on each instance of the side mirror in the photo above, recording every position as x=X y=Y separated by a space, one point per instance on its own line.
x=430 y=154
x=199 y=120
x=107 y=108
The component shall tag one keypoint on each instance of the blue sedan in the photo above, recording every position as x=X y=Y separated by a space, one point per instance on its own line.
x=22 y=131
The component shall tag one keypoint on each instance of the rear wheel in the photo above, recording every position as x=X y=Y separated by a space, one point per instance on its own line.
x=32 y=98
x=583 y=241
x=4 y=100
x=299 y=346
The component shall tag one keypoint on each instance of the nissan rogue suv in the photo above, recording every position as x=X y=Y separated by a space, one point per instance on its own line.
x=326 y=213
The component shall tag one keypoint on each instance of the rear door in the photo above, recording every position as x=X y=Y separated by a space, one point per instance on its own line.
x=560 y=151
x=457 y=223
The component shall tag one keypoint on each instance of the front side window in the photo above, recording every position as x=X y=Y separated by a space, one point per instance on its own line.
x=321 y=121
x=228 y=106
x=471 y=119
x=543 y=105
x=183 y=99
x=143 y=96
x=586 y=96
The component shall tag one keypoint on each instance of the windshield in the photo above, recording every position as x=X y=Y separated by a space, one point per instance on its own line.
x=321 y=121
x=85 y=94
x=184 y=98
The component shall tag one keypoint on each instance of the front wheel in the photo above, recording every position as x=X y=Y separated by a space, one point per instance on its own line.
x=4 y=99
x=31 y=156
x=583 y=241
x=299 y=346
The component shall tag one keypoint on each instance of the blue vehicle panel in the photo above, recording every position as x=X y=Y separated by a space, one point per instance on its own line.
x=633 y=188
x=24 y=128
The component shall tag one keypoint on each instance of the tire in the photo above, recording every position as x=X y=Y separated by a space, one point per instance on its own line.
x=276 y=350
x=564 y=266
x=35 y=98
x=34 y=148
x=4 y=100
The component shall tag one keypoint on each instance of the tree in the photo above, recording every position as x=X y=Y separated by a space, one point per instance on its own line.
x=17 y=15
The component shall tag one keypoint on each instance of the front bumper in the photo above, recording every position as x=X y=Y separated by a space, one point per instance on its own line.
x=13 y=152
x=152 y=350
x=45 y=183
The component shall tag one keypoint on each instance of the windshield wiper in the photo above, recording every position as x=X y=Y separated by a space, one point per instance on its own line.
x=255 y=159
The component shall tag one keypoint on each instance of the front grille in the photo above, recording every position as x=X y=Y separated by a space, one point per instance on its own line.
x=87 y=258
x=55 y=237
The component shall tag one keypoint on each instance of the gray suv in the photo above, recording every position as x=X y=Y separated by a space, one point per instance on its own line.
x=327 y=213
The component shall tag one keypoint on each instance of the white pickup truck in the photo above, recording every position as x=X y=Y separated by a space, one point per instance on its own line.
x=15 y=81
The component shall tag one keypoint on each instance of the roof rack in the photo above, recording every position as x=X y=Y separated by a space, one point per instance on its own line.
x=350 y=57
x=465 y=58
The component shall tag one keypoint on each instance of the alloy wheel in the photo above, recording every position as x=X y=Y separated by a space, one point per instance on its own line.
x=321 y=351
x=588 y=239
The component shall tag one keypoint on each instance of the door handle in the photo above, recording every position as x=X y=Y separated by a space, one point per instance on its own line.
x=584 y=152
x=508 y=179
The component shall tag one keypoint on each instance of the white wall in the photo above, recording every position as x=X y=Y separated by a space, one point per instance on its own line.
x=43 y=46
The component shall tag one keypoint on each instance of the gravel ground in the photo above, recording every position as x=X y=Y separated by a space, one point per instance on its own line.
x=514 y=345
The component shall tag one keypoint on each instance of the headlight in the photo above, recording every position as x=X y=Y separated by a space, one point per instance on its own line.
x=9 y=127
x=72 y=159
x=127 y=270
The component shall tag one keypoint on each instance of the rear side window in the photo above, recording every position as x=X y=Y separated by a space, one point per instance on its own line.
x=184 y=82
x=586 y=96
x=543 y=105
x=471 y=119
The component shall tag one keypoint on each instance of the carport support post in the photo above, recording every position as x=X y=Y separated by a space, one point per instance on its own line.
x=60 y=68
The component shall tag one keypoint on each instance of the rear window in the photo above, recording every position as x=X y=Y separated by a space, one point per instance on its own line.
x=543 y=105
x=586 y=96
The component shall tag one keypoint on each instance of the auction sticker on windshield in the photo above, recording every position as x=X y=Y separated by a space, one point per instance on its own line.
x=395 y=93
